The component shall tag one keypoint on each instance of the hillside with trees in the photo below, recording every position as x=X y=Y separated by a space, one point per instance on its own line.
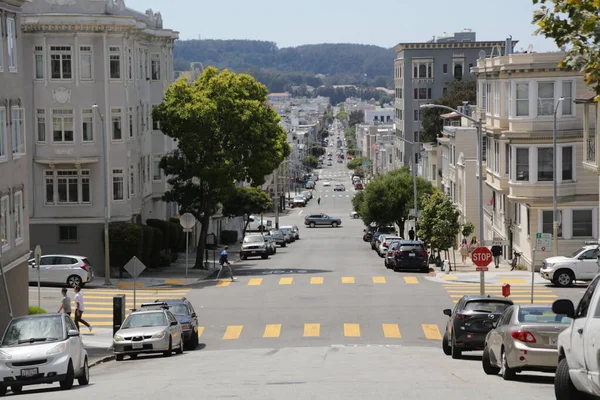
x=280 y=69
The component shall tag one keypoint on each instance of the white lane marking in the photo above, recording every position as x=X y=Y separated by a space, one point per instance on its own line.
x=300 y=212
x=326 y=195
x=347 y=195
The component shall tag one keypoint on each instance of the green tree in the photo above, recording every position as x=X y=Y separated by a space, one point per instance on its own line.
x=457 y=93
x=342 y=115
x=245 y=201
x=317 y=151
x=357 y=201
x=356 y=117
x=574 y=24
x=225 y=133
x=311 y=161
x=439 y=221
x=356 y=162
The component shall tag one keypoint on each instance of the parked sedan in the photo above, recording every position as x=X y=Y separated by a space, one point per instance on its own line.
x=388 y=260
x=254 y=245
x=290 y=237
x=299 y=201
x=523 y=339
x=466 y=329
x=185 y=314
x=278 y=237
x=293 y=229
x=270 y=243
x=43 y=348
x=384 y=241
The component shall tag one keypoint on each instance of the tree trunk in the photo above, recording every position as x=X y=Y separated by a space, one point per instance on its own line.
x=246 y=223
x=401 y=227
x=204 y=221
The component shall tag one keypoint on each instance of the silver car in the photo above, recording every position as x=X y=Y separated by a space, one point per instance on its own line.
x=152 y=331
x=524 y=338
x=294 y=230
x=43 y=348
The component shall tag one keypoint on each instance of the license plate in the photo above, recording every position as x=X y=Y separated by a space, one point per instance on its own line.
x=553 y=341
x=411 y=255
x=29 y=372
x=138 y=345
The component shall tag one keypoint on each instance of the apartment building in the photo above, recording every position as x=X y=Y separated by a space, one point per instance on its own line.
x=422 y=72
x=94 y=70
x=14 y=192
x=518 y=96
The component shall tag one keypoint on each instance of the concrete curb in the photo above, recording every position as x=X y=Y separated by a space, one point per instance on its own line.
x=102 y=360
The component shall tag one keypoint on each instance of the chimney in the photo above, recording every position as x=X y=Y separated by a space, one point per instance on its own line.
x=508 y=46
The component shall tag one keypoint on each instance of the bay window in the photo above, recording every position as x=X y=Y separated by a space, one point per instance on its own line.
x=545 y=98
x=18 y=216
x=3 y=133
x=567 y=163
x=118 y=180
x=18 y=130
x=567 y=95
x=5 y=222
x=67 y=187
x=582 y=223
x=85 y=63
x=522 y=164
x=41 y=125
x=11 y=41
x=117 y=123
x=114 y=53
x=60 y=62
x=62 y=126
x=496 y=109
x=38 y=57
x=545 y=164
x=522 y=99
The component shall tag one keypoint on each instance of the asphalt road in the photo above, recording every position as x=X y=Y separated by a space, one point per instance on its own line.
x=321 y=319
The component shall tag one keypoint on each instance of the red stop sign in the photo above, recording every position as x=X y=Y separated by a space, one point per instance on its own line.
x=481 y=256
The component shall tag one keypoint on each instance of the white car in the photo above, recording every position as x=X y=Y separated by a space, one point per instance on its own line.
x=42 y=348
x=386 y=240
x=62 y=269
x=582 y=265
x=354 y=215
x=326 y=183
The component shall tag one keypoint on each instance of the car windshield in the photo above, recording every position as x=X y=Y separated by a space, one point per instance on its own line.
x=179 y=309
x=276 y=233
x=496 y=307
x=30 y=330
x=541 y=315
x=143 y=320
x=411 y=247
x=253 y=239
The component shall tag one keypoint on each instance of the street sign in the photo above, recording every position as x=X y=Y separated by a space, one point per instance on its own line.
x=135 y=267
x=37 y=254
x=496 y=242
x=187 y=221
x=479 y=269
x=543 y=241
x=481 y=256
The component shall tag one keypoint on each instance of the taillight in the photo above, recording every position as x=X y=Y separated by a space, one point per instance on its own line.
x=389 y=253
x=423 y=254
x=84 y=266
x=384 y=244
x=523 y=336
x=463 y=316
x=398 y=252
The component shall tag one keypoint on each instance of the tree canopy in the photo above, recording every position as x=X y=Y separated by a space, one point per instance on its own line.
x=225 y=133
x=245 y=201
x=456 y=93
x=574 y=24
x=356 y=117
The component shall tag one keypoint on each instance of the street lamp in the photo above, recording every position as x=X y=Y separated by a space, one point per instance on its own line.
x=554 y=184
x=479 y=125
x=106 y=210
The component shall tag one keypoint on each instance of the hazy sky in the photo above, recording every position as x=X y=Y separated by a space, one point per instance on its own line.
x=383 y=22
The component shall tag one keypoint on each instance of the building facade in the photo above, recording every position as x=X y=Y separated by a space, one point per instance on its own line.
x=518 y=96
x=14 y=191
x=94 y=69
x=422 y=72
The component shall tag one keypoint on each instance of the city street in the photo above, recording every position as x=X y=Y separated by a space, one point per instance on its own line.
x=321 y=319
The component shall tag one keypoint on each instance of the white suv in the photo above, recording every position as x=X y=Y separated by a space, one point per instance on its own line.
x=62 y=269
x=582 y=265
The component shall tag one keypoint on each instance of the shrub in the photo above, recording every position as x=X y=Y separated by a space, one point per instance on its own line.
x=164 y=260
x=155 y=250
x=178 y=244
x=163 y=226
x=229 y=237
x=146 y=255
x=126 y=241
x=36 y=310
x=174 y=257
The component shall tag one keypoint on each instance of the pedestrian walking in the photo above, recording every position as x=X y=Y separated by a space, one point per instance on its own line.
x=464 y=250
x=411 y=234
x=224 y=261
x=473 y=244
x=319 y=200
x=79 y=308
x=497 y=252
x=65 y=304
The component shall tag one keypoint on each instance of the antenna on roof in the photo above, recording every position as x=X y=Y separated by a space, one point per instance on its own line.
x=529 y=49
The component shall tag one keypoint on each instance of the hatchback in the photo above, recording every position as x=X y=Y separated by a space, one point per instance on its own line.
x=62 y=269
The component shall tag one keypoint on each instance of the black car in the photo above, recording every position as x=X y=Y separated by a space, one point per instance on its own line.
x=184 y=312
x=466 y=328
x=411 y=254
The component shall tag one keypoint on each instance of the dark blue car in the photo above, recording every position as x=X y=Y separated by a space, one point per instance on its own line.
x=184 y=312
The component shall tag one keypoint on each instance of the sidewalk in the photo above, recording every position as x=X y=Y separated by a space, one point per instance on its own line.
x=98 y=345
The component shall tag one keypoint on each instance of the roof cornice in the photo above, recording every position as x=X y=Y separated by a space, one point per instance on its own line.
x=449 y=45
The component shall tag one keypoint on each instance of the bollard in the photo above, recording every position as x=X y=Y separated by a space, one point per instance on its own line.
x=119 y=305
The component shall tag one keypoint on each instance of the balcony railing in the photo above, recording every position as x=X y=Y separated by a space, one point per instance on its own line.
x=591 y=150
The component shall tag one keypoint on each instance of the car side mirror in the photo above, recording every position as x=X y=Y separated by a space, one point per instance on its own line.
x=448 y=312
x=173 y=323
x=73 y=333
x=117 y=327
x=564 y=307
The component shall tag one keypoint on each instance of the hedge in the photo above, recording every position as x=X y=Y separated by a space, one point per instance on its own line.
x=178 y=245
x=229 y=237
x=36 y=310
x=126 y=241
x=163 y=226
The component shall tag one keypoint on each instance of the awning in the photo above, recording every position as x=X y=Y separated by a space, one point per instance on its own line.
x=587 y=97
x=67 y=161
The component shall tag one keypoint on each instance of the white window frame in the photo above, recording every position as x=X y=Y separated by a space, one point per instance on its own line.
x=51 y=176
x=116 y=114
x=11 y=44
x=40 y=115
x=545 y=106
x=115 y=51
x=17 y=120
x=62 y=113
x=38 y=52
x=488 y=98
x=1 y=47
x=496 y=110
x=522 y=100
x=517 y=214
x=18 y=217
x=3 y=135
x=154 y=62
x=156 y=171
x=87 y=51
x=560 y=162
x=533 y=164
x=118 y=177
x=568 y=100
x=61 y=51
x=86 y=114
x=5 y=223
x=514 y=171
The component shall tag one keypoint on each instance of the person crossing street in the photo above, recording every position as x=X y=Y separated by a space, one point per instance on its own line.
x=224 y=262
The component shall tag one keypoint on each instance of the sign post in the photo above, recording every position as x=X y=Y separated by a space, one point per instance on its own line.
x=37 y=253
x=543 y=243
x=134 y=267
x=482 y=257
x=187 y=221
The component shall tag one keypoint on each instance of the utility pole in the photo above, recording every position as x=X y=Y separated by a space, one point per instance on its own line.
x=277 y=204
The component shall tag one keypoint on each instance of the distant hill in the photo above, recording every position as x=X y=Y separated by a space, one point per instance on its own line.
x=279 y=69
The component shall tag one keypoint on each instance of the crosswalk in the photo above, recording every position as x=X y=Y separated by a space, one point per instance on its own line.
x=315 y=280
x=519 y=293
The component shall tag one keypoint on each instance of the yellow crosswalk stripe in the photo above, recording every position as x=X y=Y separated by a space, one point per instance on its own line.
x=312 y=330
x=286 y=281
x=379 y=279
x=512 y=295
x=233 y=332
x=347 y=279
x=431 y=331
x=352 y=330
x=450 y=278
x=391 y=331
x=130 y=284
x=200 y=331
x=272 y=331
x=512 y=280
x=411 y=280
x=255 y=281
x=174 y=281
x=223 y=283
x=317 y=280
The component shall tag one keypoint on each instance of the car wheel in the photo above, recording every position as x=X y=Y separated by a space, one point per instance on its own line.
x=486 y=363
x=194 y=342
x=17 y=389
x=264 y=256
x=334 y=224
x=119 y=357
x=133 y=356
x=284 y=244
x=455 y=351
x=445 y=346
x=244 y=257
x=84 y=379
x=563 y=278
x=312 y=224
x=180 y=348
x=356 y=216
x=507 y=372
x=3 y=390
x=67 y=383
x=74 y=280
x=425 y=270
x=563 y=386
x=169 y=351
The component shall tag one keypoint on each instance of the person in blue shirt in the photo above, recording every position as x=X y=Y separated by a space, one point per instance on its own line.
x=224 y=261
